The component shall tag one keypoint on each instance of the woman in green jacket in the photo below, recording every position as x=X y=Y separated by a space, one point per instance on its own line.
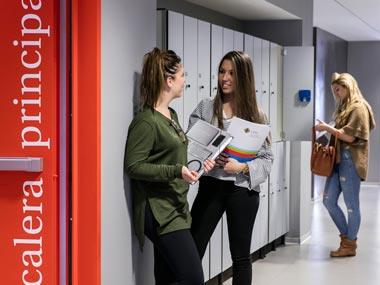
x=156 y=162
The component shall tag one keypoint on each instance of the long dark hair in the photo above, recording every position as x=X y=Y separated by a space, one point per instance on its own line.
x=245 y=103
x=157 y=67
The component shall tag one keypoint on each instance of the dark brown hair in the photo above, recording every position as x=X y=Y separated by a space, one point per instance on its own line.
x=158 y=65
x=245 y=104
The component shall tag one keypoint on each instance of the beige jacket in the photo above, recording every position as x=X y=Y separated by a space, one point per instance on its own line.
x=357 y=124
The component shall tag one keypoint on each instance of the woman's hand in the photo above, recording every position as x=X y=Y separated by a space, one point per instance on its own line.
x=222 y=159
x=189 y=176
x=208 y=165
x=233 y=166
x=322 y=126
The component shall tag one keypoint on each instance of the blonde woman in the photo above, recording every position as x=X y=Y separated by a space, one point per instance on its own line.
x=156 y=162
x=354 y=120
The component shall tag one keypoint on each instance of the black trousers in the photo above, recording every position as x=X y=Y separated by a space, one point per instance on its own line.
x=176 y=259
x=240 y=204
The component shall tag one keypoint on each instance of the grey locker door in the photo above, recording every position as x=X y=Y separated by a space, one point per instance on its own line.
x=298 y=74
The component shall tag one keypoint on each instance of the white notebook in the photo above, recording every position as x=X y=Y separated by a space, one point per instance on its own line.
x=205 y=140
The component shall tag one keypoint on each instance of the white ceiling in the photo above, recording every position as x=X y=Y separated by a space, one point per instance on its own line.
x=351 y=20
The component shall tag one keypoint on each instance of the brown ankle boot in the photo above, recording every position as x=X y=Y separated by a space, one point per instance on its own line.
x=347 y=248
x=342 y=238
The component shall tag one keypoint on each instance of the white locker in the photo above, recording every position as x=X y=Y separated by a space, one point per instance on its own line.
x=260 y=228
x=216 y=56
x=226 y=255
x=216 y=249
x=265 y=76
x=248 y=45
x=257 y=50
x=203 y=60
x=238 y=41
x=190 y=59
x=264 y=214
x=206 y=259
x=278 y=191
x=175 y=43
x=286 y=186
x=228 y=41
x=298 y=74
x=190 y=96
x=274 y=92
x=274 y=194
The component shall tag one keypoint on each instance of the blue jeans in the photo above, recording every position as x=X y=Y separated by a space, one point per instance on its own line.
x=344 y=179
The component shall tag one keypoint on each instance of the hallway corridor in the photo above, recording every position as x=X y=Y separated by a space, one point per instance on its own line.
x=310 y=264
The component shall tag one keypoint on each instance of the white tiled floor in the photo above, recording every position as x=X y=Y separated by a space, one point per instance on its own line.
x=310 y=264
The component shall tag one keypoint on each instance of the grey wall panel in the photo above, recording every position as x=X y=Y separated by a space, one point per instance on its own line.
x=285 y=33
x=201 y=13
x=302 y=9
x=282 y=32
x=364 y=65
x=330 y=57
x=128 y=32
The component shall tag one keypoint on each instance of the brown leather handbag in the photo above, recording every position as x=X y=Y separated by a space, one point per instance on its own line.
x=322 y=157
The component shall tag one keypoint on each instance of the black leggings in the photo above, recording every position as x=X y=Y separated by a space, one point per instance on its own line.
x=240 y=204
x=176 y=260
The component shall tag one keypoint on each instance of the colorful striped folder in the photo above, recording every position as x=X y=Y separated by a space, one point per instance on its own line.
x=248 y=137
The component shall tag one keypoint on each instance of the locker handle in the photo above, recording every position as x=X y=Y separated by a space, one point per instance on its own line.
x=215 y=88
x=188 y=86
x=201 y=87
x=28 y=164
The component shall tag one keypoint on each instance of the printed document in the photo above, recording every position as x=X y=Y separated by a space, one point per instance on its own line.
x=248 y=138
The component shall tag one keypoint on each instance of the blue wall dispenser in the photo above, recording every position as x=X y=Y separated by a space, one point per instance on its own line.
x=304 y=96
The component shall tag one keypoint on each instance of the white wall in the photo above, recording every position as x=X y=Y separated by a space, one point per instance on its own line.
x=128 y=32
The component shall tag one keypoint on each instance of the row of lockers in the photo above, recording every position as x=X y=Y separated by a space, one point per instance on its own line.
x=201 y=46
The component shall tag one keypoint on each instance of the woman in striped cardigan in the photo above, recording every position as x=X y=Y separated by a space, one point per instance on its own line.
x=232 y=186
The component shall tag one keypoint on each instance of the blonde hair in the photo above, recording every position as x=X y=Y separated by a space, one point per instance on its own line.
x=158 y=65
x=343 y=107
x=245 y=92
